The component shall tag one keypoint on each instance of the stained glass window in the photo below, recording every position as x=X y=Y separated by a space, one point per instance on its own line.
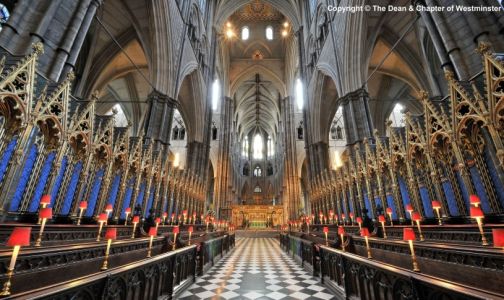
x=4 y=15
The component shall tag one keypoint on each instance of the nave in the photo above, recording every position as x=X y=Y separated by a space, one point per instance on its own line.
x=257 y=269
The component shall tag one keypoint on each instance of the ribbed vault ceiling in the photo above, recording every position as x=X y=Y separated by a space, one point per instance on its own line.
x=257 y=106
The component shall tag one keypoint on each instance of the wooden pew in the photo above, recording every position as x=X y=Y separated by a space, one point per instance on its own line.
x=37 y=267
x=167 y=275
x=353 y=276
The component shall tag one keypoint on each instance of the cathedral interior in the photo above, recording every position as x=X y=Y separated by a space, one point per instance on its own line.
x=251 y=149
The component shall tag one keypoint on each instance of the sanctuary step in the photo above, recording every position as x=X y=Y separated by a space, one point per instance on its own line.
x=252 y=233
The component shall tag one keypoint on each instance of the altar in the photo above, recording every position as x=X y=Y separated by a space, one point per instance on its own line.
x=257 y=216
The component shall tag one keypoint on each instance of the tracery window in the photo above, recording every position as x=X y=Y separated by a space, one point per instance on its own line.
x=246 y=170
x=245 y=33
x=257 y=147
x=257 y=189
x=4 y=15
x=215 y=94
x=300 y=132
x=120 y=117
x=245 y=147
x=299 y=94
x=313 y=5
x=271 y=147
x=257 y=171
x=397 y=116
x=269 y=170
x=175 y=134
x=202 y=5
x=214 y=132
x=337 y=132
x=269 y=33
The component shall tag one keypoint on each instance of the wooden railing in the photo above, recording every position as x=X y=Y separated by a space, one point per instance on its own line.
x=354 y=277
x=213 y=250
x=144 y=279
x=455 y=234
x=302 y=251
x=165 y=275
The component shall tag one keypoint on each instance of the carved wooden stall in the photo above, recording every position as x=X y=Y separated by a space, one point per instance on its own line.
x=451 y=151
x=52 y=143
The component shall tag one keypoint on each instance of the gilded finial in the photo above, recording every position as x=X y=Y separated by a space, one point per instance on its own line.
x=483 y=48
x=449 y=75
x=424 y=96
x=95 y=95
x=2 y=64
x=38 y=48
x=71 y=76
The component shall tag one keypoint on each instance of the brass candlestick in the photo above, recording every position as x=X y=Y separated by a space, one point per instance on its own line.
x=126 y=219
x=99 y=231
x=390 y=217
x=149 y=252
x=367 y=247
x=383 y=228
x=134 y=228
x=10 y=272
x=342 y=243
x=411 y=217
x=413 y=257
x=484 y=241
x=81 y=211
x=420 y=231
x=440 y=222
x=41 y=232
x=107 y=252
x=174 y=241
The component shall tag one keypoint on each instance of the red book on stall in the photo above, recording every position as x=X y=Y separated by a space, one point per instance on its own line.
x=498 y=237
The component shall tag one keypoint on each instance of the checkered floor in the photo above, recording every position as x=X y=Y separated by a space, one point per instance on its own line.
x=257 y=269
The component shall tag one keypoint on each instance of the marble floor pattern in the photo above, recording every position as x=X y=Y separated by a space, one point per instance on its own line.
x=257 y=269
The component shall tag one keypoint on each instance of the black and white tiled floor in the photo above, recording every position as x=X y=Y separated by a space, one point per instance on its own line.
x=257 y=269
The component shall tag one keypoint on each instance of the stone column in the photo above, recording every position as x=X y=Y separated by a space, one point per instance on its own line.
x=60 y=25
x=159 y=121
x=222 y=180
x=357 y=117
